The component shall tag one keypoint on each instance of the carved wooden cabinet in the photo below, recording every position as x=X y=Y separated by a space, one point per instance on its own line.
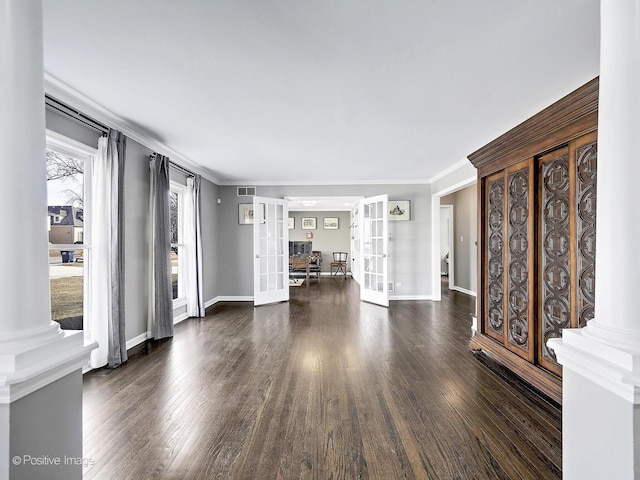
x=537 y=221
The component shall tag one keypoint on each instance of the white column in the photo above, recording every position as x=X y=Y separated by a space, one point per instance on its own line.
x=601 y=363
x=24 y=278
x=618 y=229
x=40 y=365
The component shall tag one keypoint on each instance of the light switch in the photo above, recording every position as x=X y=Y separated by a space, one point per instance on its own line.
x=461 y=239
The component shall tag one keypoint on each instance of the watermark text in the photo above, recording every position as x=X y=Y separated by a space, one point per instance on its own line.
x=47 y=461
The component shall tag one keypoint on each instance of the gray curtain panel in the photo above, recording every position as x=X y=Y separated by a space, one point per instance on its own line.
x=116 y=145
x=197 y=180
x=161 y=305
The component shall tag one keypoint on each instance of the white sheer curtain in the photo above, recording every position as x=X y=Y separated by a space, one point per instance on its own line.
x=106 y=298
x=193 y=248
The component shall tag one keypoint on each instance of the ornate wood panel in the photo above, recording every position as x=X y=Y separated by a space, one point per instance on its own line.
x=519 y=301
x=494 y=257
x=537 y=200
x=586 y=160
x=554 y=253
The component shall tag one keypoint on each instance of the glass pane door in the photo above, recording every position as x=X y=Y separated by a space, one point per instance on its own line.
x=373 y=252
x=270 y=246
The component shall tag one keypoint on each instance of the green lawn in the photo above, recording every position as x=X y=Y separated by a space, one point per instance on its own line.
x=66 y=298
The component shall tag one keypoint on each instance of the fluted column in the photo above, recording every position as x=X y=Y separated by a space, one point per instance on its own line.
x=40 y=365
x=601 y=362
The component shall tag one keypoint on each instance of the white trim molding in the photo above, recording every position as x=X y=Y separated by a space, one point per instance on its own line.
x=211 y=302
x=26 y=366
x=229 y=298
x=135 y=341
x=464 y=290
x=180 y=318
x=612 y=367
x=443 y=173
x=410 y=297
x=67 y=94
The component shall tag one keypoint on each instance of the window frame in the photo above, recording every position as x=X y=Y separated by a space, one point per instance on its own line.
x=180 y=190
x=79 y=151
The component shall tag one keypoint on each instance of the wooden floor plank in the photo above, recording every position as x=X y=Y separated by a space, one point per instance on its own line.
x=321 y=387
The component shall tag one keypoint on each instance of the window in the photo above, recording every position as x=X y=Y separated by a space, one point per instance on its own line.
x=176 y=232
x=69 y=199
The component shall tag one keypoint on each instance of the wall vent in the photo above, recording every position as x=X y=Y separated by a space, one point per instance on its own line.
x=246 y=191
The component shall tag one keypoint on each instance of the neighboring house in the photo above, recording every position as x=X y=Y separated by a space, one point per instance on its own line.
x=66 y=224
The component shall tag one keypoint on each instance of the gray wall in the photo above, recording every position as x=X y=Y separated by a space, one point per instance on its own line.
x=465 y=235
x=136 y=239
x=47 y=423
x=409 y=247
x=68 y=127
x=327 y=241
x=210 y=254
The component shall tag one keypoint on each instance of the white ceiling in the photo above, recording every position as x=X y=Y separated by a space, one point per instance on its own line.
x=334 y=91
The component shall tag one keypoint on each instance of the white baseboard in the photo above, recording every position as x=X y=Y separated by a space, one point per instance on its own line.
x=213 y=301
x=233 y=298
x=464 y=290
x=410 y=297
x=137 y=340
x=180 y=318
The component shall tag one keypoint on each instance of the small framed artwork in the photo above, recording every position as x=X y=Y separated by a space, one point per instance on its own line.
x=245 y=213
x=399 y=210
x=330 y=223
x=292 y=223
x=308 y=223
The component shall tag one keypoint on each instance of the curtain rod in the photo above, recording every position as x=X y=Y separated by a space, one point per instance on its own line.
x=76 y=115
x=180 y=168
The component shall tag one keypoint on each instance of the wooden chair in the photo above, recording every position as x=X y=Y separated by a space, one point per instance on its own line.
x=339 y=264
x=298 y=265
x=315 y=263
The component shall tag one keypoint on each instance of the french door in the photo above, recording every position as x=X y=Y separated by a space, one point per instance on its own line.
x=270 y=248
x=374 y=245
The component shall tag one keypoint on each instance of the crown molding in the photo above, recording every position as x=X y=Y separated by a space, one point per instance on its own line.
x=74 y=98
x=443 y=173
x=577 y=112
x=67 y=94
x=322 y=182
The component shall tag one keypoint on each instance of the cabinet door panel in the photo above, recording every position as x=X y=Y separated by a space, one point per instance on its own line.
x=519 y=300
x=555 y=211
x=494 y=199
x=586 y=160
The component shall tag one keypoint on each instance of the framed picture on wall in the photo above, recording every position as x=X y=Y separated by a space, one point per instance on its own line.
x=245 y=213
x=292 y=223
x=399 y=210
x=308 y=223
x=330 y=223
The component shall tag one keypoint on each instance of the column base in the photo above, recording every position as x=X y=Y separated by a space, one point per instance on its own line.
x=594 y=353
x=30 y=363
x=600 y=404
x=41 y=404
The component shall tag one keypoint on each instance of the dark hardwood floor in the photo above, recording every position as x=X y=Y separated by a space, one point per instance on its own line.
x=322 y=387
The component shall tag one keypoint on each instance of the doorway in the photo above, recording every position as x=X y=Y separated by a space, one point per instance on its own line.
x=447 y=244
x=461 y=269
x=322 y=224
